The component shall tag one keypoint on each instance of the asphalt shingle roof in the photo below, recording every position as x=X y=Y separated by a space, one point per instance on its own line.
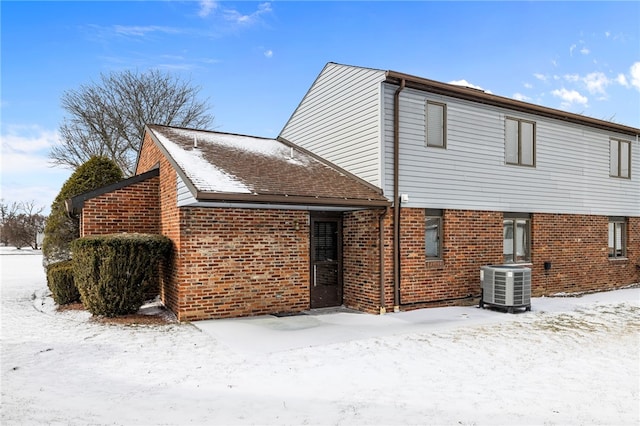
x=224 y=166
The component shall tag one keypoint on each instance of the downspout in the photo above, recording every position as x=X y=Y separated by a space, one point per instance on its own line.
x=383 y=305
x=396 y=196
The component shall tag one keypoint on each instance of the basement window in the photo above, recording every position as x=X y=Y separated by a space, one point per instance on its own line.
x=516 y=228
x=433 y=234
x=617 y=237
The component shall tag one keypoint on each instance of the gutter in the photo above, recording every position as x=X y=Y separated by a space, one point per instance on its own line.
x=290 y=199
x=396 y=196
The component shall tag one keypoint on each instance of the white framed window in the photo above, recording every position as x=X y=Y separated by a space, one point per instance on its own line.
x=516 y=230
x=433 y=234
x=520 y=142
x=436 y=124
x=619 y=158
x=617 y=237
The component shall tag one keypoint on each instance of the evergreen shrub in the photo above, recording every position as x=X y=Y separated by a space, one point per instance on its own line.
x=61 y=283
x=114 y=273
x=61 y=228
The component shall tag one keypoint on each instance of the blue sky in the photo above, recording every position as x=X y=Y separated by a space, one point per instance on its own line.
x=255 y=60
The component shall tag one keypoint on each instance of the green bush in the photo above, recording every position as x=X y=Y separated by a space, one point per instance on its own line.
x=61 y=283
x=114 y=273
x=60 y=228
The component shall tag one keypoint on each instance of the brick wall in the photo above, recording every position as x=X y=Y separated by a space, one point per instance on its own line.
x=576 y=246
x=238 y=262
x=170 y=273
x=134 y=208
x=361 y=260
x=470 y=239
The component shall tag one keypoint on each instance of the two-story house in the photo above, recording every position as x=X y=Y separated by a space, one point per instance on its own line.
x=479 y=179
x=384 y=191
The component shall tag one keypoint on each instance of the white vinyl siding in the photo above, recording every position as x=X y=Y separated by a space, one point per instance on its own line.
x=571 y=174
x=184 y=196
x=339 y=120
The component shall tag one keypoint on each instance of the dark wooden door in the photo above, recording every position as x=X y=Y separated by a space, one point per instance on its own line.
x=326 y=262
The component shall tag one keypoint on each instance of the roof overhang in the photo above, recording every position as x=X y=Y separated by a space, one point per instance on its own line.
x=479 y=96
x=290 y=200
x=75 y=204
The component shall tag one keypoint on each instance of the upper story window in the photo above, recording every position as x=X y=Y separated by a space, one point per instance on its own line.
x=433 y=234
x=619 y=158
x=617 y=237
x=520 y=142
x=516 y=228
x=436 y=124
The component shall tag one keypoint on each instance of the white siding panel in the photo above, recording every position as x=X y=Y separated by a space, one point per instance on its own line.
x=185 y=197
x=571 y=173
x=339 y=120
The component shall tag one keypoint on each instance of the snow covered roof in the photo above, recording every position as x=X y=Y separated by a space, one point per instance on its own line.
x=228 y=167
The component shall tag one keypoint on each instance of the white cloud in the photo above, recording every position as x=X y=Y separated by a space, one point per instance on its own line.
x=268 y=53
x=572 y=77
x=465 y=83
x=607 y=34
x=27 y=174
x=521 y=97
x=540 y=77
x=584 y=51
x=635 y=75
x=234 y=16
x=206 y=7
x=528 y=86
x=571 y=49
x=622 y=80
x=569 y=97
x=141 y=31
x=596 y=83
x=26 y=148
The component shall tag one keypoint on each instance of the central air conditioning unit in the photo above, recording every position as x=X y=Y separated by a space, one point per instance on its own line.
x=506 y=286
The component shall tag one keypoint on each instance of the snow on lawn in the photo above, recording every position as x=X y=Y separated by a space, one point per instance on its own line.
x=569 y=361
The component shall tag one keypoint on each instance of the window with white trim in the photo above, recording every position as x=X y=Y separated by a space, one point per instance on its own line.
x=433 y=234
x=619 y=158
x=516 y=230
x=436 y=124
x=617 y=237
x=520 y=142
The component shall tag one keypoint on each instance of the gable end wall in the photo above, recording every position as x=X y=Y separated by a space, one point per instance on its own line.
x=134 y=208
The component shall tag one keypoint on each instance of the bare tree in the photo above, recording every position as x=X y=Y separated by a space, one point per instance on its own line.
x=22 y=224
x=108 y=118
x=7 y=213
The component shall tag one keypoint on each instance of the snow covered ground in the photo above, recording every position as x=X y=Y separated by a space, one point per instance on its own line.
x=569 y=361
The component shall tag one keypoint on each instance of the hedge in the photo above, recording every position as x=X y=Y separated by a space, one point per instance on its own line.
x=114 y=273
x=61 y=283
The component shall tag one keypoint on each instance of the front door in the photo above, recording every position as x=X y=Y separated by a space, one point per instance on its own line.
x=326 y=262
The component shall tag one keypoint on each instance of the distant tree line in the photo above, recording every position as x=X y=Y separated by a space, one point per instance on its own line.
x=21 y=224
